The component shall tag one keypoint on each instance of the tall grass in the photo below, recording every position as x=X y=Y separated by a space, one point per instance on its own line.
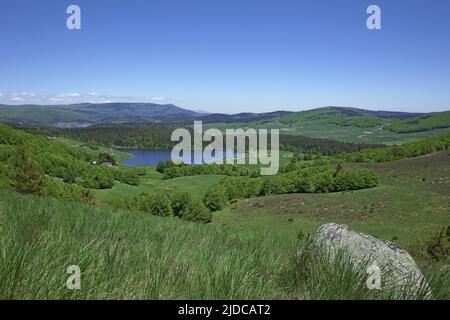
x=319 y=273
x=126 y=255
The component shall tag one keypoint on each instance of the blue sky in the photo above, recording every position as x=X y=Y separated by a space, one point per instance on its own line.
x=228 y=55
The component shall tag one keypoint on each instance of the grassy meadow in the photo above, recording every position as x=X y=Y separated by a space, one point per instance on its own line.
x=248 y=252
x=413 y=199
x=375 y=134
x=125 y=255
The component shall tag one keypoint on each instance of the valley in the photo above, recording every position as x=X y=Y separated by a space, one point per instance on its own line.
x=210 y=155
x=224 y=223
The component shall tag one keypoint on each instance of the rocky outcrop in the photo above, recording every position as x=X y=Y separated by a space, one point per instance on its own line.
x=398 y=269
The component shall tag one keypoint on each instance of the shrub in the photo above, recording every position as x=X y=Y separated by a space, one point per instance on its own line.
x=98 y=178
x=26 y=175
x=68 y=177
x=240 y=188
x=70 y=192
x=436 y=247
x=310 y=180
x=216 y=198
x=186 y=207
x=354 y=179
x=291 y=182
x=195 y=211
x=106 y=157
x=273 y=185
x=128 y=177
x=179 y=202
x=323 y=182
x=171 y=170
x=303 y=184
x=157 y=204
x=164 y=165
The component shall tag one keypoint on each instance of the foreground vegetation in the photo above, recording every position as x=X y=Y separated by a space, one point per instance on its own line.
x=138 y=256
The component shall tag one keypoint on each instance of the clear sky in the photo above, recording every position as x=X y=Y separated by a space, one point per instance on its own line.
x=228 y=55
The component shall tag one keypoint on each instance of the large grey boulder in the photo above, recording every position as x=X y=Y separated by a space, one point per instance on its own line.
x=397 y=268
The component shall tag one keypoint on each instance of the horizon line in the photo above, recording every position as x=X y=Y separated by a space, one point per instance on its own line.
x=199 y=110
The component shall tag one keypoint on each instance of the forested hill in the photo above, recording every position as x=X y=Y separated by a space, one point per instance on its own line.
x=87 y=114
x=67 y=168
x=345 y=116
x=157 y=137
x=423 y=123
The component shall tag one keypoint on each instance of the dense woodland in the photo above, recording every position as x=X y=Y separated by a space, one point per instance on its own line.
x=157 y=137
x=62 y=170
x=323 y=147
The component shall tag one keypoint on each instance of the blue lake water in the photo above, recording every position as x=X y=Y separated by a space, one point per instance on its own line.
x=148 y=157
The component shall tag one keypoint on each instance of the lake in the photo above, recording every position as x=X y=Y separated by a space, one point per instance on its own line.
x=148 y=157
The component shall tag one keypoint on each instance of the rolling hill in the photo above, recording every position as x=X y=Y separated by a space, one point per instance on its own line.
x=423 y=123
x=343 y=124
x=336 y=123
x=87 y=114
x=344 y=116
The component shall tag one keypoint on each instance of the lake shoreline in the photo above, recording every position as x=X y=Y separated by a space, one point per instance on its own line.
x=142 y=157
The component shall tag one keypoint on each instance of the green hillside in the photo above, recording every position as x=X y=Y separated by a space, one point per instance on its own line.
x=410 y=202
x=333 y=115
x=85 y=114
x=424 y=123
x=41 y=115
x=247 y=253
x=129 y=256
x=342 y=124
x=359 y=135
x=67 y=171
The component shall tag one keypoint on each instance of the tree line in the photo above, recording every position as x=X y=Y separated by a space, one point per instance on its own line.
x=311 y=180
x=171 y=170
x=38 y=165
x=157 y=137
x=174 y=204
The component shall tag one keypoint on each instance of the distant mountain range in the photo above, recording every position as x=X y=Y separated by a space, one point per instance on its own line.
x=87 y=114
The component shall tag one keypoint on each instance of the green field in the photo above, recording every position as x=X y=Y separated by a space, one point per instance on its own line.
x=377 y=134
x=413 y=198
x=351 y=125
x=152 y=182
